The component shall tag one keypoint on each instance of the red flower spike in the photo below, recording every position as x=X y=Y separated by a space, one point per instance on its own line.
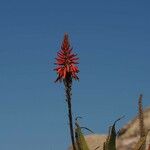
x=66 y=61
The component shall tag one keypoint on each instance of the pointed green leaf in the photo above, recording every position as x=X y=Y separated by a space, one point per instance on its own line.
x=110 y=143
x=80 y=140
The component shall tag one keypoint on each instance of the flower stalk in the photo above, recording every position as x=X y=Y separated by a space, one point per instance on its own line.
x=141 y=121
x=141 y=117
x=66 y=69
x=68 y=84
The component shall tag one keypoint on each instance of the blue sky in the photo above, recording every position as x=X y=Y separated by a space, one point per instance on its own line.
x=112 y=39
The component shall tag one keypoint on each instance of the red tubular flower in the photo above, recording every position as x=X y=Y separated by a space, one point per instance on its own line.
x=66 y=61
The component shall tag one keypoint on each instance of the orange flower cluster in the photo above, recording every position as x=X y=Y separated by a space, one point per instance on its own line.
x=66 y=61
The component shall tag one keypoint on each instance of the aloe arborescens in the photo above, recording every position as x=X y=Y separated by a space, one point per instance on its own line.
x=66 y=69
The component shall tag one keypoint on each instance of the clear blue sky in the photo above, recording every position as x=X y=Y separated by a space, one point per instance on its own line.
x=112 y=39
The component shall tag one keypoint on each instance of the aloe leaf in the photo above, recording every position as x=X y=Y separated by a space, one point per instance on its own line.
x=80 y=140
x=110 y=143
x=87 y=129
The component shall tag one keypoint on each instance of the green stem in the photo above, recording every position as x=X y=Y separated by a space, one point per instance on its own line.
x=68 y=85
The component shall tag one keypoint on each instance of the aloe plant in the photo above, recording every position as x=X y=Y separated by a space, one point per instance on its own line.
x=80 y=140
x=141 y=144
x=110 y=143
x=67 y=71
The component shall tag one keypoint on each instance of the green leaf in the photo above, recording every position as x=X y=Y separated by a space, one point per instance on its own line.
x=110 y=143
x=80 y=140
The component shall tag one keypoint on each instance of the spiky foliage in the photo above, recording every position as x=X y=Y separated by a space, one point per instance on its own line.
x=110 y=143
x=80 y=140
